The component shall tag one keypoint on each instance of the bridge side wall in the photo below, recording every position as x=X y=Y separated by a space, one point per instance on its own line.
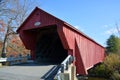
x=88 y=53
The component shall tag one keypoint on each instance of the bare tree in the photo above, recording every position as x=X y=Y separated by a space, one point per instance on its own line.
x=117 y=27
x=13 y=13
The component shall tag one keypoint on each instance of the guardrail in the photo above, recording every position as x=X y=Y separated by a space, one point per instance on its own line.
x=64 y=66
x=51 y=73
x=56 y=70
x=14 y=60
x=3 y=59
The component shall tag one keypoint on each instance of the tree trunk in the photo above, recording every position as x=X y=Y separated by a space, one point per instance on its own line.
x=5 y=40
x=4 y=44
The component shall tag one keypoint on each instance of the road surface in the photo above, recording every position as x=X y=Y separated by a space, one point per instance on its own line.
x=28 y=71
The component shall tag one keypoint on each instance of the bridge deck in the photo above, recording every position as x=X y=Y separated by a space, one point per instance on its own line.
x=28 y=71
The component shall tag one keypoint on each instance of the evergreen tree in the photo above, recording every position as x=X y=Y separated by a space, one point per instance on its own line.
x=113 y=44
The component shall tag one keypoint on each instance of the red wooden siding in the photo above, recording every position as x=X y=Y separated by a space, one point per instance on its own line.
x=37 y=15
x=90 y=52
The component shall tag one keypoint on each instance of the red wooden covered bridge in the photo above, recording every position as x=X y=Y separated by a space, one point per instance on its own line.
x=52 y=40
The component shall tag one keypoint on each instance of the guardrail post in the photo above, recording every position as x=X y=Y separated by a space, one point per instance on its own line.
x=65 y=66
x=62 y=68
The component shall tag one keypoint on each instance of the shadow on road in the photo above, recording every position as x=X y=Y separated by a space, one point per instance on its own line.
x=32 y=63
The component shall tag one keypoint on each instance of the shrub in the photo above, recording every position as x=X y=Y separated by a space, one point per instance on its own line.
x=115 y=75
x=112 y=62
x=99 y=71
x=112 y=65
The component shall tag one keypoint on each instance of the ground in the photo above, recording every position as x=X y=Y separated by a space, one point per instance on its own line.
x=28 y=71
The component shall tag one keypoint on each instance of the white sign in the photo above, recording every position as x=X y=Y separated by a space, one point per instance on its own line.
x=37 y=24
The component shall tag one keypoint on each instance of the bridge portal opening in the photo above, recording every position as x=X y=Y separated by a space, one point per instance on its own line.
x=49 y=48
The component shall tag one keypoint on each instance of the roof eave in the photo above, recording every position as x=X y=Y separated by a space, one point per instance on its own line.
x=78 y=31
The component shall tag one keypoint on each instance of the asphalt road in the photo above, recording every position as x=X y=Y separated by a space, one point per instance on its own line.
x=28 y=71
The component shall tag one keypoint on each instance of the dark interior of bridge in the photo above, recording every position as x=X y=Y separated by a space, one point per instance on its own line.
x=49 y=48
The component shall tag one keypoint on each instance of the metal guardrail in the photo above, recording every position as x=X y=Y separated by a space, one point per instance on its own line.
x=51 y=73
x=13 y=60
x=56 y=70
x=3 y=59
x=64 y=66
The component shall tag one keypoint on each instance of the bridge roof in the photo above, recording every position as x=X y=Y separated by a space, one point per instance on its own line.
x=65 y=23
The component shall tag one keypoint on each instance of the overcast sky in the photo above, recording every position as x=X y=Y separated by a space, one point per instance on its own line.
x=96 y=18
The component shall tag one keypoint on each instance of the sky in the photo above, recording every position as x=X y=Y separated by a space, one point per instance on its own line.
x=95 y=18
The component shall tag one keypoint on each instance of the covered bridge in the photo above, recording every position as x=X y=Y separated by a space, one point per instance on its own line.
x=52 y=40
